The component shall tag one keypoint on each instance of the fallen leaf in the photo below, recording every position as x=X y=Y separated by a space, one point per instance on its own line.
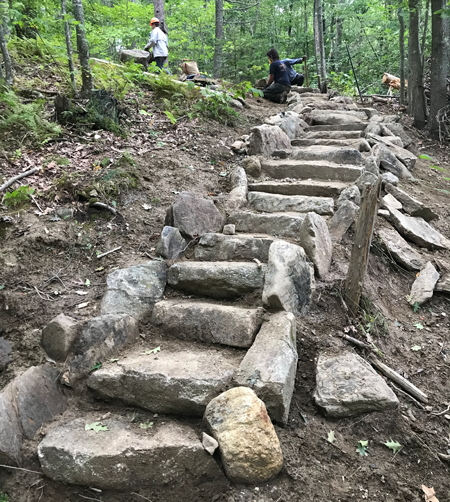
x=148 y=425
x=393 y=445
x=96 y=427
x=416 y=347
x=152 y=351
x=82 y=305
x=82 y=293
x=430 y=494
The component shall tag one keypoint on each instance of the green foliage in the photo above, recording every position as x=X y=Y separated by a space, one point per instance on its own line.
x=147 y=425
x=343 y=82
x=151 y=351
x=216 y=105
x=4 y=497
x=394 y=446
x=18 y=197
x=96 y=427
x=362 y=448
x=96 y=367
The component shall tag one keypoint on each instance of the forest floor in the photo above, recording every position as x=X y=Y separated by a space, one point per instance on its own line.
x=49 y=265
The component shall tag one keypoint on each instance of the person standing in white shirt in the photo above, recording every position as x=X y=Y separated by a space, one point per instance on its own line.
x=158 y=42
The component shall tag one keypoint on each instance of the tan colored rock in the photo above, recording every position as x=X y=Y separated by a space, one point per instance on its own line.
x=250 y=449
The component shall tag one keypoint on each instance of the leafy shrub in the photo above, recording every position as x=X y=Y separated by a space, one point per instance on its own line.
x=18 y=197
x=216 y=105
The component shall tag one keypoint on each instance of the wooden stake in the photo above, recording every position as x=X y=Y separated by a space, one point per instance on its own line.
x=361 y=246
x=306 y=74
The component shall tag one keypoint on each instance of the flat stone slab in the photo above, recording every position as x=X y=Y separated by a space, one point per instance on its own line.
x=220 y=247
x=217 y=280
x=316 y=241
x=208 y=322
x=301 y=169
x=134 y=290
x=399 y=249
x=417 y=230
x=278 y=224
x=338 y=155
x=353 y=126
x=289 y=279
x=346 y=385
x=423 y=287
x=324 y=117
x=359 y=144
x=249 y=446
x=126 y=457
x=274 y=203
x=270 y=366
x=331 y=135
x=178 y=382
x=309 y=188
x=342 y=220
x=410 y=205
x=443 y=285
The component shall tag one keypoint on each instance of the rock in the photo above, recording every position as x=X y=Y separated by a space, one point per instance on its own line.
x=390 y=162
x=411 y=205
x=265 y=139
x=404 y=156
x=417 y=230
x=385 y=119
x=338 y=155
x=138 y=56
x=373 y=139
x=371 y=165
x=389 y=178
x=370 y=112
x=390 y=201
x=125 y=458
x=314 y=188
x=134 y=290
x=384 y=213
x=443 y=285
x=274 y=203
x=238 y=178
x=236 y=104
x=238 y=146
x=346 y=385
x=209 y=443
x=270 y=366
x=253 y=167
x=366 y=178
x=37 y=398
x=101 y=338
x=248 y=443
x=423 y=287
x=171 y=244
x=179 y=382
x=397 y=130
x=373 y=128
x=342 y=220
x=5 y=354
x=10 y=430
x=208 y=322
x=59 y=336
x=333 y=135
x=280 y=224
x=351 y=193
x=229 y=229
x=219 y=247
x=320 y=117
x=289 y=279
x=237 y=199
x=356 y=144
x=316 y=241
x=194 y=216
x=218 y=279
x=288 y=122
x=399 y=249
x=281 y=154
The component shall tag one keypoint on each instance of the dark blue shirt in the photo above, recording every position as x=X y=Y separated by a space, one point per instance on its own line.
x=288 y=63
x=279 y=70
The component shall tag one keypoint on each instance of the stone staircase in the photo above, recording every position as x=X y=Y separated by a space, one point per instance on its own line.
x=226 y=322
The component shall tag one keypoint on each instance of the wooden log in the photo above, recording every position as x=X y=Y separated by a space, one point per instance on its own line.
x=392 y=81
x=399 y=380
x=361 y=246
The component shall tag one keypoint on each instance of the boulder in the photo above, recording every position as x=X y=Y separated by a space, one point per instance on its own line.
x=373 y=139
x=397 y=130
x=405 y=156
x=265 y=139
x=275 y=203
x=238 y=146
x=218 y=279
x=59 y=336
x=126 y=457
x=248 y=443
x=229 y=229
x=237 y=199
x=399 y=249
x=423 y=287
x=390 y=201
x=208 y=322
x=101 y=338
x=134 y=290
x=138 y=56
x=238 y=178
x=342 y=220
x=389 y=161
x=280 y=224
x=270 y=366
x=220 y=247
x=314 y=188
x=351 y=135
x=411 y=205
x=372 y=166
x=346 y=385
x=389 y=178
x=417 y=230
x=366 y=178
x=252 y=167
x=315 y=239
x=194 y=216
x=373 y=128
x=289 y=279
x=289 y=122
x=5 y=354
x=180 y=382
x=171 y=244
x=351 y=193
x=338 y=155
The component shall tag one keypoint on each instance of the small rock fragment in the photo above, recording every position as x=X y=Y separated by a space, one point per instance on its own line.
x=423 y=287
x=209 y=443
x=351 y=193
x=171 y=244
x=229 y=229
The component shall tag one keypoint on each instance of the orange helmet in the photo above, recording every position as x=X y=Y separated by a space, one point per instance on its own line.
x=154 y=20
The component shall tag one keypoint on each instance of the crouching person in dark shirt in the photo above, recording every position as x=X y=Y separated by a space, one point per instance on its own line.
x=278 y=84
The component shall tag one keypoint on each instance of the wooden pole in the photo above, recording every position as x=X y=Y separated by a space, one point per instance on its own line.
x=306 y=74
x=361 y=246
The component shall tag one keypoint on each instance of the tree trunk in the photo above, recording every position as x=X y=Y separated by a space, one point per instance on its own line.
x=83 y=49
x=219 y=39
x=69 y=46
x=159 y=13
x=4 y=17
x=337 y=40
x=440 y=65
x=425 y=29
x=415 y=81
x=6 y=57
x=401 y=39
x=318 y=41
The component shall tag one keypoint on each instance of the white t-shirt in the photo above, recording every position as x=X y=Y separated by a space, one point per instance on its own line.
x=158 y=41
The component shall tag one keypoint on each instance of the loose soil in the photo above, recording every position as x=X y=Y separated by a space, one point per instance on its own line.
x=45 y=262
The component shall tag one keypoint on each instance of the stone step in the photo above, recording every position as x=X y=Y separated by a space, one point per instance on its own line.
x=242 y=247
x=358 y=144
x=319 y=170
x=338 y=134
x=127 y=457
x=338 y=155
x=338 y=117
x=208 y=322
x=219 y=279
x=275 y=203
x=278 y=224
x=356 y=126
x=305 y=187
x=175 y=381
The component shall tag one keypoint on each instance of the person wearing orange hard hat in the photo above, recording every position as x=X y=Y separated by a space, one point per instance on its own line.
x=158 y=42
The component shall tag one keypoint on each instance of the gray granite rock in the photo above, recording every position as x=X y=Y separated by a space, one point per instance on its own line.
x=238 y=178
x=371 y=165
x=270 y=366
x=209 y=443
x=59 y=336
x=289 y=122
x=237 y=199
x=316 y=241
x=390 y=201
x=443 y=285
x=389 y=141
x=171 y=244
x=423 y=287
x=389 y=178
x=338 y=155
x=274 y=203
x=346 y=385
x=351 y=193
x=390 y=162
x=364 y=179
x=385 y=119
x=397 y=130
x=373 y=128
x=252 y=167
x=229 y=229
x=342 y=220
x=279 y=224
x=399 y=249
x=265 y=139
x=411 y=205
x=5 y=353
x=321 y=117
x=404 y=156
